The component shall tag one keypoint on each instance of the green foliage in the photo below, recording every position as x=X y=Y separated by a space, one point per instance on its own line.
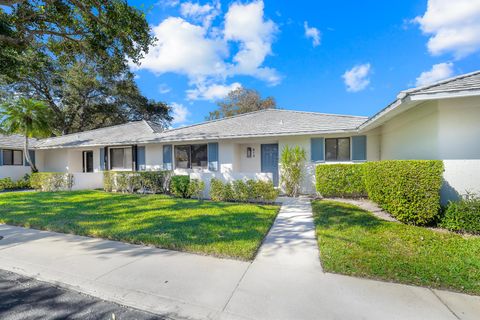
x=221 y=229
x=180 y=186
x=407 y=189
x=239 y=191
x=356 y=243
x=241 y=100
x=292 y=164
x=129 y=182
x=196 y=188
x=9 y=184
x=463 y=215
x=51 y=181
x=27 y=117
x=340 y=180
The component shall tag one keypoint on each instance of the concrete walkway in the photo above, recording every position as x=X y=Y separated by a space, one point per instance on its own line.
x=285 y=281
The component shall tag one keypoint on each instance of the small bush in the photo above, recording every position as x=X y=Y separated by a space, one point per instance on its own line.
x=196 y=188
x=51 y=181
x=180 y=186
x=152 y=181
x=408 y=189
x=292 y=164
x=340 y=180
x=463 y=215
x=9 y=184
x=249 y=191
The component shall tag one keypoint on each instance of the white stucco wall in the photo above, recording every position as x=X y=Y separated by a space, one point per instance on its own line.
x=14 y=172
x=447 y=130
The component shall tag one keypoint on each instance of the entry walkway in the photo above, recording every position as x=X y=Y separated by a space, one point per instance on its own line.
x=285 y=281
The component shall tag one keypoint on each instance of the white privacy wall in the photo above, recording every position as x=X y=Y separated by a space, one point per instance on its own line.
x=447 y=130
x=13 y=172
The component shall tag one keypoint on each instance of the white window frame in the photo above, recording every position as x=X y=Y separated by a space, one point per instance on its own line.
x=110 y=159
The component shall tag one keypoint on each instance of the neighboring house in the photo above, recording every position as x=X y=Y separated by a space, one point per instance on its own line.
x=440 y=121
x=12 y=160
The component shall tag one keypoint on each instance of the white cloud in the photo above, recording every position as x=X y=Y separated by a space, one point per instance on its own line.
x=201 y=52
x=454 y=26
x=180 y=113
x=357 y=78
x=168 y=3
x=313 y=33
x=211 y=92
x=438 y=72
x=184 y=48
x=201 y=13
x=164 y=88
x=245 y=23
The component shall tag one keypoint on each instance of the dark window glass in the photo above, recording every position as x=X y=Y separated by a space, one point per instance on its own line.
x=199 y=155
x=191 y=156
x=182 y=157
x=337 y=149
x=12 y=157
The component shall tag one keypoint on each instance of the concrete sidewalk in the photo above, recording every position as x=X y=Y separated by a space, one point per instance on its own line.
x=284 y=282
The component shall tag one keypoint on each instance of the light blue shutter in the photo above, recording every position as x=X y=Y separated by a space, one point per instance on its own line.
x=102 y=159
x=359 y=148
x=32 y=157
x=167 y=157
x=141 y=159
x=317 y=149
x=213 y=156
x=1 y=157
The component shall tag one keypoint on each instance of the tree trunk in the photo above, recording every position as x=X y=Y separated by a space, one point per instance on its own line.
x=27 y=155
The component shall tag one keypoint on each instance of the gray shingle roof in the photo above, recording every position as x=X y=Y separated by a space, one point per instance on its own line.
x=15 y=141
x=464 y=82
x=128 y=133
x=271 y=122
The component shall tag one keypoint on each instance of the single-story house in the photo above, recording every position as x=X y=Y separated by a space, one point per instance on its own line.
x=438 y=121
x=13 y=163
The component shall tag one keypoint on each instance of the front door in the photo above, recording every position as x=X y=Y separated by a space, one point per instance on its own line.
x=270 y=160
x=87 y=161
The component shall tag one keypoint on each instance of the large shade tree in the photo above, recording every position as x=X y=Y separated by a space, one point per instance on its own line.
x=241 y=100
x=27 y=117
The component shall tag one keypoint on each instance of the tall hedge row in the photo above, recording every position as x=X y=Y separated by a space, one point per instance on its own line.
x=341 y=180
x=408 y=189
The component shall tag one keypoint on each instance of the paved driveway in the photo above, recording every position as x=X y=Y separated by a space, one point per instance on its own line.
x=285 y=281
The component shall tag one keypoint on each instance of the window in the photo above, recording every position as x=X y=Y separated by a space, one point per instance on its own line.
x=337 y=149
x=191 y=156
x=87 y=161
x=121 y=158
x=12 y=157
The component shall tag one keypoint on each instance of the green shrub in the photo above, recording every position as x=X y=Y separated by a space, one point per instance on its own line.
x=292 y=164
x=249 y=191
x=9 y=184
x=408 y=189
x=241 y=191
x=51 y=181
x=196 y=188
x=180 y=186
x=216 y=190
x=340 y=180
x=152 y=181
x=463 y=215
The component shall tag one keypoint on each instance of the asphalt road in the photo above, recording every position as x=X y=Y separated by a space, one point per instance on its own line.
x=25 y=298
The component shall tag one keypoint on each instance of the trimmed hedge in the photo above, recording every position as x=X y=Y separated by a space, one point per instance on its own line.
x=180 y=186
x=51 y=181
x=241 y=191
x=408 y=189
x=129 y=182
x=341 y=180
x=9 y=184
x=463 y=215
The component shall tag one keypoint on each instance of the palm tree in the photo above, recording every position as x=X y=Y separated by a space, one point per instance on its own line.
x=28 y=117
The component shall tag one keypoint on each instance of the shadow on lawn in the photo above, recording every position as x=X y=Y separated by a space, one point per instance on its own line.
x=179 y=225
x=336 y=215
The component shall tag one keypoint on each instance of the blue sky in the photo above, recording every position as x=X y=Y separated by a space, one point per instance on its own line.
x=346 y=57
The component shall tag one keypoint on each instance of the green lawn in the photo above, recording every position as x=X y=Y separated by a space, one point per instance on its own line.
x=215 y=228
x=354 y=242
